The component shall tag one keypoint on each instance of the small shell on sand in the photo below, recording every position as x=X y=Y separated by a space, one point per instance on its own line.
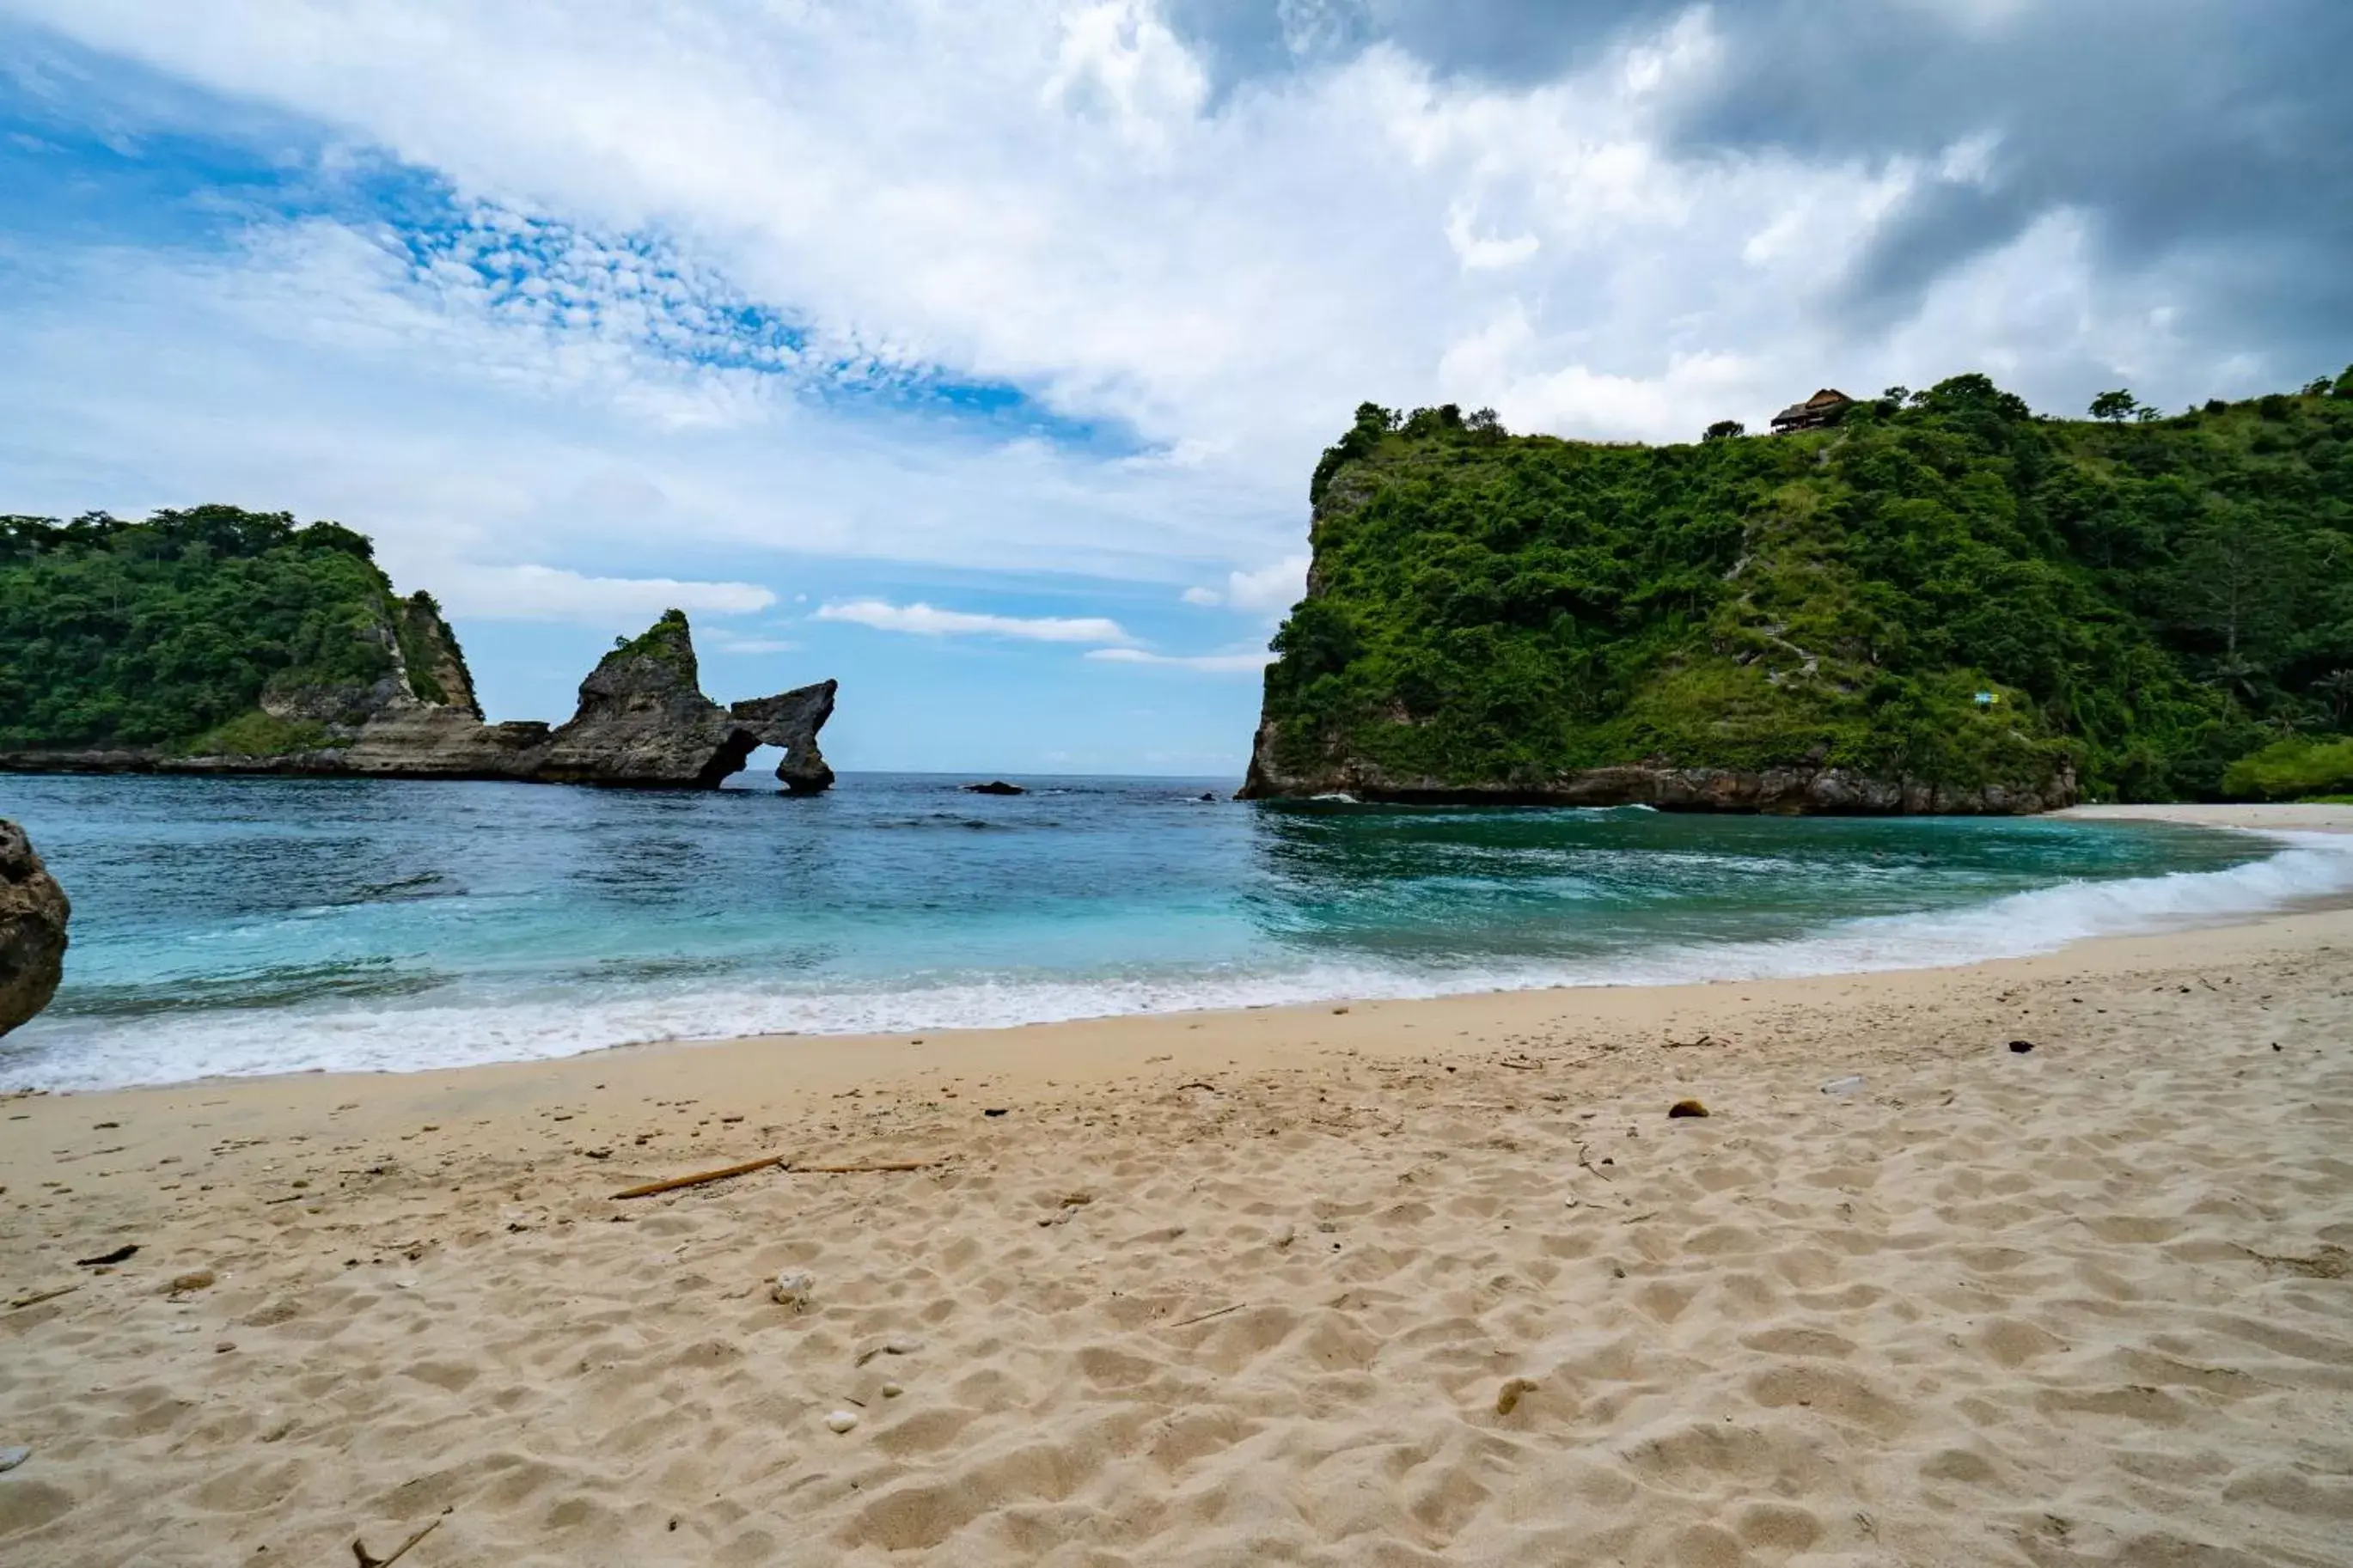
x=792 y=1289
x=842 y=1420
x=891 y=1391
x=196 y=1280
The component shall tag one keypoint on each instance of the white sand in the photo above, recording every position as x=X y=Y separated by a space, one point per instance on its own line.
x=2086 y=1305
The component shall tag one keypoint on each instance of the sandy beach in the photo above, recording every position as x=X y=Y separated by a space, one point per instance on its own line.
x=1408 y=1282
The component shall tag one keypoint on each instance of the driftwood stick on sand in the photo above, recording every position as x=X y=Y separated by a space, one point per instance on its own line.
x=369 y=1560
x=1205 y=1317
x=37 y=1297
x=862 y=1170
x=696 y=1180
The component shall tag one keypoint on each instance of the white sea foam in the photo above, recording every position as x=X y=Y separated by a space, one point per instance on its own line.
x=168 y=1047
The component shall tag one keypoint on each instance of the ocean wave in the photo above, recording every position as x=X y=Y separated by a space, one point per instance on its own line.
x=2305 y=868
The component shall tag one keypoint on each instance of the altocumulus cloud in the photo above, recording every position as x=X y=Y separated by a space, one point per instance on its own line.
x=922 y=620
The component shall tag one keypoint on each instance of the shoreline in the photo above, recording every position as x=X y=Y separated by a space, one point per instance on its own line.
x=1113 y=1047
x=2260 y=820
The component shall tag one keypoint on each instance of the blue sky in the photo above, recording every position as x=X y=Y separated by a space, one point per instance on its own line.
x=978 y=356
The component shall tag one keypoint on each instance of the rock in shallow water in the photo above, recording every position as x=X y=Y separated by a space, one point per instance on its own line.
x=33 y=915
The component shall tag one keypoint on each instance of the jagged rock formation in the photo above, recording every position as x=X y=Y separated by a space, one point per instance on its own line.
x=215 y=639
x=33 y=914
x=642 y=723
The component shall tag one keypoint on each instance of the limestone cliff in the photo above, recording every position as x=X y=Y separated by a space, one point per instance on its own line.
x=215 y=639
x=642 y=723
x=1947 y=603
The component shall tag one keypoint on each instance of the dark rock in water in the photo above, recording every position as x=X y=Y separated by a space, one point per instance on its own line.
x=1208 y=795
x=995 y=786
x=33 y=914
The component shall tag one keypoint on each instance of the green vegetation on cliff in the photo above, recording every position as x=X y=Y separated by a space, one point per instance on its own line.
x=668 y=641
x=2143 y=602
x=162 y=633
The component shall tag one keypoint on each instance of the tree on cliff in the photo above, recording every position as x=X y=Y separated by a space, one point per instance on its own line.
x=2115 y=407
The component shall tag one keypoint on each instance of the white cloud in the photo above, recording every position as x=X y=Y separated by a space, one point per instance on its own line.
x=1217 y=663
x=1478 y=251
x=531 y=593
x=1270 y=589
x=924 y=620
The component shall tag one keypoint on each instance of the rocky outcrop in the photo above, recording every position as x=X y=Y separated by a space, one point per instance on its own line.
x=642 y=723
x=1786 y=791
x=643 y=720
x=33 y=914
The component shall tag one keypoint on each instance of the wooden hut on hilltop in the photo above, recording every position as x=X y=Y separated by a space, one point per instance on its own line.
x=1818 y=412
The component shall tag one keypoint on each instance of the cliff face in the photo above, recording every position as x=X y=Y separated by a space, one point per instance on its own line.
x=33 y=914
x=216 y=640
x=1944 y=605
x=1784 y=791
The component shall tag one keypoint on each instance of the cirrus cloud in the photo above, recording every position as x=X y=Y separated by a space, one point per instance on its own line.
x=1215 y=663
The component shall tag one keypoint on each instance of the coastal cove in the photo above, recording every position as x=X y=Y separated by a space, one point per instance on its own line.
x=257 y=926
x=1137 y=783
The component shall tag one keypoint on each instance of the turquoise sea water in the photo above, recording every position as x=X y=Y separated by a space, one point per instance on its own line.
x=268 y=925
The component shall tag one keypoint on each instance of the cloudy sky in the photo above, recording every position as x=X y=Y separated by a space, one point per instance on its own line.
x=978 y=353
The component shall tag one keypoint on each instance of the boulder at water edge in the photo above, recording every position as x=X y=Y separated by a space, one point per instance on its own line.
x=33 y=912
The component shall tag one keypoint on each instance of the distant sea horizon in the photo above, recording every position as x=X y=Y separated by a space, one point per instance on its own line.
x=238 y=926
